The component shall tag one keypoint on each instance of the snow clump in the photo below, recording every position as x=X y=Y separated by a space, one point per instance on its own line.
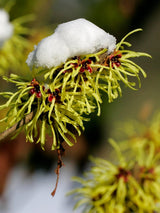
x=6 y=28
x=74 y=38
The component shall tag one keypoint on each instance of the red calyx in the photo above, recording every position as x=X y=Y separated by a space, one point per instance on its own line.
x=123 y=174
x=75 y=65
x=50 y=97
x=54 y=95
x=32 y=91
x=38 y=94
x=36 y=88
x=114 y=59
x=89 y=69
x=82 y=69
x=33 y=81
x=146 y=170
x=85 y=65
x=89 y=61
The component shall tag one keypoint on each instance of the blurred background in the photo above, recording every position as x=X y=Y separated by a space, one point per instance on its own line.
x=27 y=174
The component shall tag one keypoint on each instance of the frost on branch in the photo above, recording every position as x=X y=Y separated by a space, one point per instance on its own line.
x=74 y=38
x=6 y=28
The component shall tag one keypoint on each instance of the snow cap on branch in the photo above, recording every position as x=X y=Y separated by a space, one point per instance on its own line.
x=6 y=28
x=74 y=38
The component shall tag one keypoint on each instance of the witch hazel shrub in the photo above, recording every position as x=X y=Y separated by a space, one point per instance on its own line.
x=69 y=70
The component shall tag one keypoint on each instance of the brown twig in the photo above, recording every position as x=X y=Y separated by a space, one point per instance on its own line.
x=60 y=153
x=9 y=131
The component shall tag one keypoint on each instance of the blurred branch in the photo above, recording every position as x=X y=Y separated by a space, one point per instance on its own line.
x=16 y=126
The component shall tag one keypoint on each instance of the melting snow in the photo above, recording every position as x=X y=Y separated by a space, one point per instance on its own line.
x=74 y=38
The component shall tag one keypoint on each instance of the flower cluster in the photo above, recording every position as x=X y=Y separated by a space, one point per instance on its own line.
x=13 y=41
x=49 y=113
x=68 y=93
x=100 y=71
x=132 y=185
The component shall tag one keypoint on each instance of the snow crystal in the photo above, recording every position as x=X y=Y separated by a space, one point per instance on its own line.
x=6 y=28
x=74 y=38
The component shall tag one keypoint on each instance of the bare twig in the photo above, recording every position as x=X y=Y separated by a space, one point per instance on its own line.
x=9 y=131
x=60 y=153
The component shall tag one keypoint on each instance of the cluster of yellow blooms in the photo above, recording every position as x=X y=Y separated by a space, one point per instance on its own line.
x=65 y=95
x=130 y=186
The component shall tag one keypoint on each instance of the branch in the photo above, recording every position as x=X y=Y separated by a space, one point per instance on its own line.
x=60 y=153
x=16 y=126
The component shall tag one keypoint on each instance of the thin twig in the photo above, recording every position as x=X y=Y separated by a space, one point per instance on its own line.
x=19 y=124
x=60 y=153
